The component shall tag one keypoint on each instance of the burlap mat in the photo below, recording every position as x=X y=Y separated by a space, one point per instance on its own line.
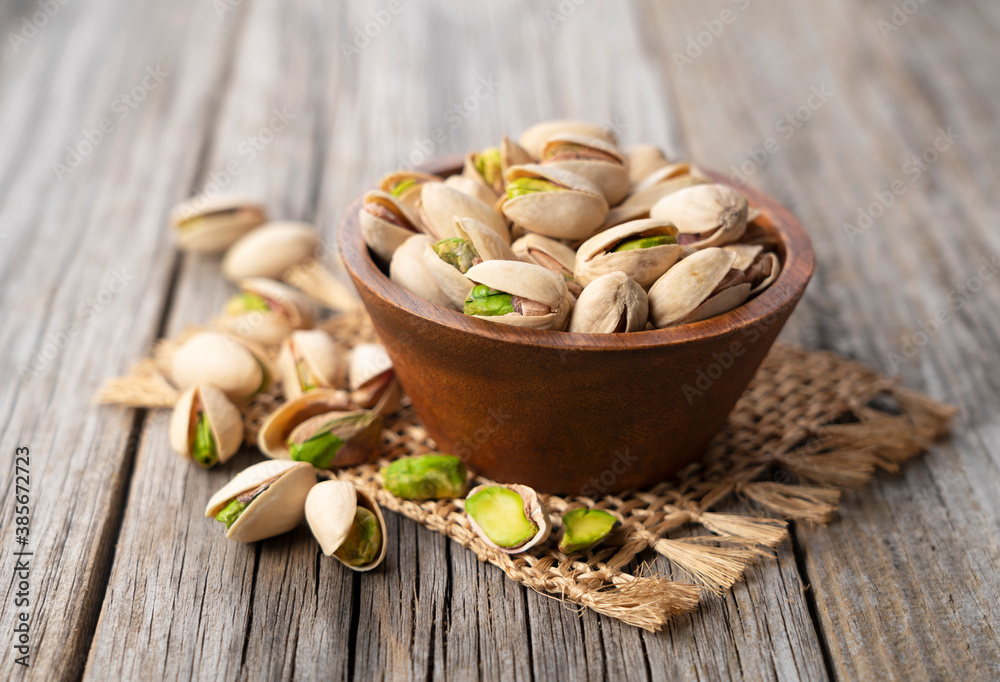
x=809 y=425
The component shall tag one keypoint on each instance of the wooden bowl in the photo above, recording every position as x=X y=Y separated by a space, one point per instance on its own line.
x=576 y=413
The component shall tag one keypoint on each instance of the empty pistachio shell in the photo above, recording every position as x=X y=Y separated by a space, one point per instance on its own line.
x=583 y=528
x=448 y=260
x=270 y=251
x=642 y=249
x=229 y=363
x=408 y=270
x=386 y=222
x=336 y=439
x=519 y=294
x=551 y=255
x=372 y=379
x=440 y=205
x=205 y=426
x=309 y=360
x=406 y=186
x=643 y=159
x=553 y=202
x=705 y=215
x=476 y=190
x=272 y=438
x=510 y=518
x=654 y=187
x=263 y=500
x=591 y=158
x=212 y=225
x=426 y=477
x=762 y=272
x=267 y=311
x=535 y=137
x=347 y=523
x=612 y=303
x=690 y=291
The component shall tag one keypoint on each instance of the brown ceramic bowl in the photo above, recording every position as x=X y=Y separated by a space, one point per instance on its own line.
x=576 y=413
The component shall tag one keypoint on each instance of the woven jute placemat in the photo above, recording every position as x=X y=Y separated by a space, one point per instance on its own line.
x=810 y=425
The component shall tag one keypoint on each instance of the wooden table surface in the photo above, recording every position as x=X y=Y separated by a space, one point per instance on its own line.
x=876 y=126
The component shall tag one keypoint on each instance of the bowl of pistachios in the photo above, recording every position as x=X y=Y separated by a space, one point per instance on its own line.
x=568 y=315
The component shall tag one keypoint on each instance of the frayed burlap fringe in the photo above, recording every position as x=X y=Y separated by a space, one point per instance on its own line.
x=810 y=425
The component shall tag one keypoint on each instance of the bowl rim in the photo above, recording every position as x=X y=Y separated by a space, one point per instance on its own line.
x=798 y=263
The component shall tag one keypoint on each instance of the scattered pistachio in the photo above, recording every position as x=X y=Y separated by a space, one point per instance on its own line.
x=583 y=528
x=426 y=477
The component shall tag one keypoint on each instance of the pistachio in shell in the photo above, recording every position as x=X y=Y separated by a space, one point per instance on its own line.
x=206 y=225
x=642 y=249
x=763 y=272
x=235 y=366
x=270 y=251
x=440 y=205
x=408 y=270
x=476 y=190
x=266 y=311
x=372 y=379
x=309 y=360
x=272 y=437
x=205 y=426
x=484 y=168
x=592 y=158
x=550 y=254
x=552 y=202
x=535 y=137
x=406 y=186
x=583 y=528
x=705 y=215
x=612 y=303
x=336 y=439
x=643 y=160
x=426 y=477
x=518 y=294
x=263 y=500
x=510 y=517
x=347 y=524
x=702 y=285
x=448 y=260
x=655 y=186
x=386 y=222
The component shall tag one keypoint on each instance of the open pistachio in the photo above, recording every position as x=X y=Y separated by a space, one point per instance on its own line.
x=553 y=202
x=476 y=190
x=263 y=500
x=701 y=286
x=440 y=205
x=705 y=215
x=426 y=477
x=762 y=272
x=484 y=168
x=550 y=254
x=592 y=158
x=409 y=271
x=535 y=137
x=235 y=366
x=643 y=160
x=406 y=186
x=386 y=222
x=642 y=249
x=309 y=360
x=448 y=260
x=205 y=427
x=272 y=437
x=518 y=294
x=372 y=379
x=266 y=311
x=336 y=439
x=510 y=518
x=612 y=303
x=270 y=251
x=583 y=528
x=746 y=254
x=212 y=225
x=347 y=523
x=652 y=188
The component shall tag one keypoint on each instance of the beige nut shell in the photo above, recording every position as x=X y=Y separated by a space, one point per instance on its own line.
x=678 y=293
x=221 y=221
x=325 y=360
x=272 y=438
x=611 y=178
x=535 y=137
x=382 y=236
x=440 y=205
x=600 y=307
x=534 y=509
x=700 y=209
x=330 y=510
x=223 y=361
x=572 y=213
x=594 y=257
x=277 y=510
x=408 y=270
x=224 y=420
x=270 y=250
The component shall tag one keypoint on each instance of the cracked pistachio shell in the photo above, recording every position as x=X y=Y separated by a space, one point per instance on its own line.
x=684 y=293
x=372 y=379
x=309 y=360
x=378 y=219
x=528 y=281
x=289 y=309
x=270 y=251
x=643 y=160
x=235 y=366
x=406 y=185
x=590 y=158
x=714 y=215
x=597 y=257
x=212 y=225
x=612 y=303
x=476 y=190
x=550 y=254
x=657 y=185
x=470 y=172
x=571 y=213
x=330 y=511
x=272 y=438
x=533 y=508
x=512 y=154
x=408 y=270
x=277 y=510
x=763 y=271
x=440 y=205
x=535 y=137
x=488 y=245
x=336 y=439
x=746 y=254
x=224 y=422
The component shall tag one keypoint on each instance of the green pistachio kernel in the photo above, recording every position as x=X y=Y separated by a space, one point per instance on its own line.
x=204 y=449
x=458 y=253
x=306 y=380
x=402 y=186
x=488 y=302
x=523 y=186
x=231 y=512
x=320 y=450
x=584 y=528
x=246 y=303
x=499 y=512
x=488 y=165
x=644 y=243
x=426 y=477
x=363 y=542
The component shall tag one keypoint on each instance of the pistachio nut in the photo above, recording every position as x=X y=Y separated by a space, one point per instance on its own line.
x=643 y=160
x=642 y=249
x=406 y=186
x=212 y=225
x=746 y=254
x=386 y=222
x=762 y=272
x=267 y=311
x=484 y=168
x=535 y=137
x=701 y=286
x=205 y=427
x=651 y=189
x=408 y=270
x=336 y=439
x=372 y=379
x=440 y=205
x=512 y=154
x=583 y=528
x=592 y=158
x=347 y=524
x=510 y=518
x=309 y=360
x=474 y=189
x=272 y=437
x=448 y=260
x=263 y=500
x=553 y=202
x=426 y=477
x=612 y=303
x=518 y=294
x=235 y=366
x=270 y=251
x=705 y=215
x=550 y=254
